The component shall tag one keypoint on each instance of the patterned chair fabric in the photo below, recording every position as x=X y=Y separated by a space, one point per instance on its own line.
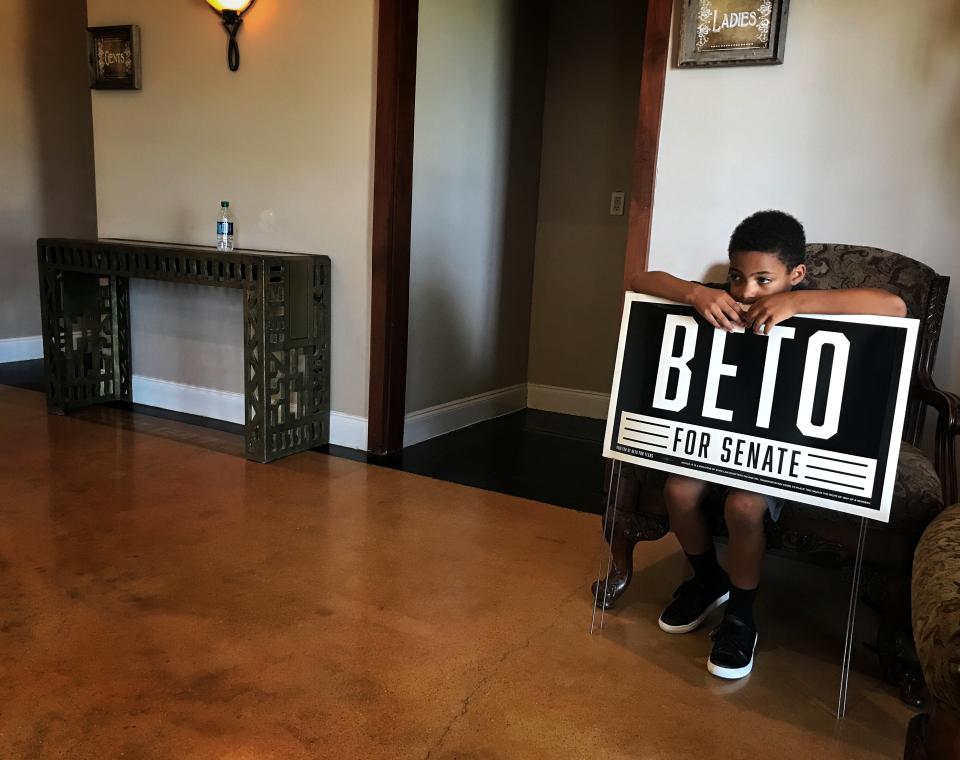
x=936 y=630
x=831 y=267
x=936 y=606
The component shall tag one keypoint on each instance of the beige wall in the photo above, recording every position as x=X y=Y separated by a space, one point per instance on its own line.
x=46 y=147
x=593 y=82
x=857 y=133
x=479 y=105
x=287 y=139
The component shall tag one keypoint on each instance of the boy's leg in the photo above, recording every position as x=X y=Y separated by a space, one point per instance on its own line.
x=682 y=497
x=708 y=588
x=744 y=513
x=736 y=639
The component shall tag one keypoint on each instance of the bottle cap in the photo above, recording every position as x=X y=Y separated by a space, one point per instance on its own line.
x=224 y=204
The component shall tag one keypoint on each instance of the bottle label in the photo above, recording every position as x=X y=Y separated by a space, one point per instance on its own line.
x=224 y=228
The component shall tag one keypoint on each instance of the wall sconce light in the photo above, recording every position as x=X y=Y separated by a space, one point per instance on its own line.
x=231 y=13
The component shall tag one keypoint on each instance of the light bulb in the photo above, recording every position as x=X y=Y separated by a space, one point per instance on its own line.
x=230 y=5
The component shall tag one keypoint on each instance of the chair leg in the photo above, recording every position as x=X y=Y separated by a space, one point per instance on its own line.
x=898 y=660
x=916 y=743
x=626 y=529
x=894 y=647
x=607 y=590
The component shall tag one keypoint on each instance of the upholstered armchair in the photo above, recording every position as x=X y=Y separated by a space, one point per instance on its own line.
x=936 y=627
x=923 y=486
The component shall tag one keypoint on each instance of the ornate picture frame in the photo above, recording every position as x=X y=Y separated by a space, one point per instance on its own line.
x=732 y=32
x=114 y=57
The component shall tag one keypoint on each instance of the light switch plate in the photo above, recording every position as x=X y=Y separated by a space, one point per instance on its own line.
x=616 y=203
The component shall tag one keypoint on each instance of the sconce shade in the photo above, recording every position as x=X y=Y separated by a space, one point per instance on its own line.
x=238 y=6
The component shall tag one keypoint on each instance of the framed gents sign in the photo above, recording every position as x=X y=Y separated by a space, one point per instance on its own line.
x=732 y=32
x=114 y=57
x=812 y=412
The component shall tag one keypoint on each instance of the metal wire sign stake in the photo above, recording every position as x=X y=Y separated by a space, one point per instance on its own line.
x=851 y=621
x=608 y=528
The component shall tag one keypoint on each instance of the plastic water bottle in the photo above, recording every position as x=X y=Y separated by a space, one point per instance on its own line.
x=225 y=227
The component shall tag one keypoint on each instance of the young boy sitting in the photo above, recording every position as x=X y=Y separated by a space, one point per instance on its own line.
x=764 y=287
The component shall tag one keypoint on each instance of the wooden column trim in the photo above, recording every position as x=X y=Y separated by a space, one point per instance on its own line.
x=656 y=43
x=392 y=197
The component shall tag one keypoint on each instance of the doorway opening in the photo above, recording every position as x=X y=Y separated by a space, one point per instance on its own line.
x=515 y=150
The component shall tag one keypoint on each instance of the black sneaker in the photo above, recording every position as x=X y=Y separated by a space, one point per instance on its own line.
x=733 y=645
x=691 y=604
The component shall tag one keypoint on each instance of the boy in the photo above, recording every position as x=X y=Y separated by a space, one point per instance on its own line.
x=764 y=287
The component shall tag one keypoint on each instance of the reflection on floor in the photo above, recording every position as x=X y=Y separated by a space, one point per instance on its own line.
x=162 y=597
x=554 y=458
x=27 y=375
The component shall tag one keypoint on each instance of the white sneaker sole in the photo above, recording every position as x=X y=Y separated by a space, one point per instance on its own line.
x=667 y=628
x=733 y=673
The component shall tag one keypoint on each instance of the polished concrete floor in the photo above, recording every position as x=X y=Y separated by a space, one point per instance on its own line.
x=554 y=458
x=161 y=597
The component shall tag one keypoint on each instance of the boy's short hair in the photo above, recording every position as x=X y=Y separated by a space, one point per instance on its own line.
x=773 y=232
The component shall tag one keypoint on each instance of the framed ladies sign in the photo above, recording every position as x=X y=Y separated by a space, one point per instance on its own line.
x=732 y=32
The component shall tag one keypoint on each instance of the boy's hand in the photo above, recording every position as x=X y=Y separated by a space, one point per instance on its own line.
x=717 y=307
x=767 y=312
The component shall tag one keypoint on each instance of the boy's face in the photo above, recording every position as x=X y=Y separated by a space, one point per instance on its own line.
x=754 y=274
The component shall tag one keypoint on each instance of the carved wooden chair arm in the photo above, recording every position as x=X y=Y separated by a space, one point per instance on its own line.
x=947 y=435
x=947 y=406
x=954 y=405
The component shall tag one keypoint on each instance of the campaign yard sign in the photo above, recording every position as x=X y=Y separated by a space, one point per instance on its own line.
x=812 y=412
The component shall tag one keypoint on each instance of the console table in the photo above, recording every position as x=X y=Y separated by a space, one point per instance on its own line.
x=85 y=308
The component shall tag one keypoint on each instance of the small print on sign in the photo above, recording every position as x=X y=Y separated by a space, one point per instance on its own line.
x=812 y=412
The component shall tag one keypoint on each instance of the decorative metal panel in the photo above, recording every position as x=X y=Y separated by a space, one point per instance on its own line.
x=85 y=307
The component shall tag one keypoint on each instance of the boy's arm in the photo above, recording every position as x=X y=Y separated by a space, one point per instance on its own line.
x=716 y=306
x=772 y=310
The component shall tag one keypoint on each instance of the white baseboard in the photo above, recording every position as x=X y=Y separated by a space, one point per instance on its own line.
x=345 y=429
x=550 y=398
x=21 y=349
x=348 y=430
x=445 y=418
x=189 y=399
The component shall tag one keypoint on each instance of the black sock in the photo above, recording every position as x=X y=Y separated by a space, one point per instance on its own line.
x=706 y=569
x=741 y=604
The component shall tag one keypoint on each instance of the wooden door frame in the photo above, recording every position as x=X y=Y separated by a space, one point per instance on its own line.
x=646 y=145
x=393 y=193
x=392 y=198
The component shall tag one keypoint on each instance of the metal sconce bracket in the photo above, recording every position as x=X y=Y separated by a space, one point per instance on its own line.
x=231 y=22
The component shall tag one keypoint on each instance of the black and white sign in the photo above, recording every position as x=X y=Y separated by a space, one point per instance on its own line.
x=812 y=412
